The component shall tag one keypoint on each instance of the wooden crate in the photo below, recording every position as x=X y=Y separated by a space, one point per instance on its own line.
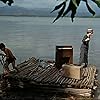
x=64 y=54
x=72 y=71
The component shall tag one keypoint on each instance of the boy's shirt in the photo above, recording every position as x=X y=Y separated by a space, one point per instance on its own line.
x=84 y=42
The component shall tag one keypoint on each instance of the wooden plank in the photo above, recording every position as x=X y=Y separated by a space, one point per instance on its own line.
x=83 y=92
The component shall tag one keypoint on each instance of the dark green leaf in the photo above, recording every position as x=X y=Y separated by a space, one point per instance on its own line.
x=58 y=6
x=97 y=2
x=60 y=12
x=76 y=2
x=4 y=1
x=89 y=9
x=68 y=9
x=73 y=15
x=9 y=2
x=72 y=7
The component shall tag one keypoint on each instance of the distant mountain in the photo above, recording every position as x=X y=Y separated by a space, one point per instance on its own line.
x=84 y=12
x=20 y=11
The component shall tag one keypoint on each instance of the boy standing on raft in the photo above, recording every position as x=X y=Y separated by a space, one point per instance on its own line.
x=85 y=47
x=10 y=58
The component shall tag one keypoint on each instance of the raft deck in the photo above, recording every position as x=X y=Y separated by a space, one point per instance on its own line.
x=43 y=75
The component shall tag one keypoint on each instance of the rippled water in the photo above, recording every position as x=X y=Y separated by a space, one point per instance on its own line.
x=38 y=36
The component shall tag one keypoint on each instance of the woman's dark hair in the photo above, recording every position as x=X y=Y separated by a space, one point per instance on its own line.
x=2 y=45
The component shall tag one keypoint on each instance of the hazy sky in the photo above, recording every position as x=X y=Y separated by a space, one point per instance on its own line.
x=38 y=3
x=35 y=3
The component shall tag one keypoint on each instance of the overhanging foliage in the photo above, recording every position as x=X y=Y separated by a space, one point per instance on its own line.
x=7 y=1
x=73 y=5
x=63 y=11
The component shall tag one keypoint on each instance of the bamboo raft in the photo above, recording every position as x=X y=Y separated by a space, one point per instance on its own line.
x=43 y=76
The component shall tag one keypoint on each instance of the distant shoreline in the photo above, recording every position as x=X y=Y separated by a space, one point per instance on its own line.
x=51 y=16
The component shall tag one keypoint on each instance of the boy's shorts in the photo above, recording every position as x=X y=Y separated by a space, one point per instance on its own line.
x=8 y=61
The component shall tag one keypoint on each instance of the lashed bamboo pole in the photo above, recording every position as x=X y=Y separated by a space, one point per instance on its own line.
x=34 y=77
x=56 y=76
x=87 y=78
x=42 y=74
x=25 y=70
x=23 y=64
x=46 y=74
x=54 y=71
x=92 y=77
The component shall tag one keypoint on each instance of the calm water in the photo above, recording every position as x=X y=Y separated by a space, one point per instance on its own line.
x=38 y=37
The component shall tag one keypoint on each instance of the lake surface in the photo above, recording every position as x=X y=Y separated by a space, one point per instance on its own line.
x=38 y=36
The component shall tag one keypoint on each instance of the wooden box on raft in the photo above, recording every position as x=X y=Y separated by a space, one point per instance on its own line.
x=72 y=71
x=64 y=55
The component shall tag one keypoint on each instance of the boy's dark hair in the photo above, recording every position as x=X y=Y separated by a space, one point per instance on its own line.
x=2 y=45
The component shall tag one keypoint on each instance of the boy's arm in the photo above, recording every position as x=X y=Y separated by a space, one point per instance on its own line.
x=88 y=39
x=7 y=53
x=85 y=39
x=1 y=54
